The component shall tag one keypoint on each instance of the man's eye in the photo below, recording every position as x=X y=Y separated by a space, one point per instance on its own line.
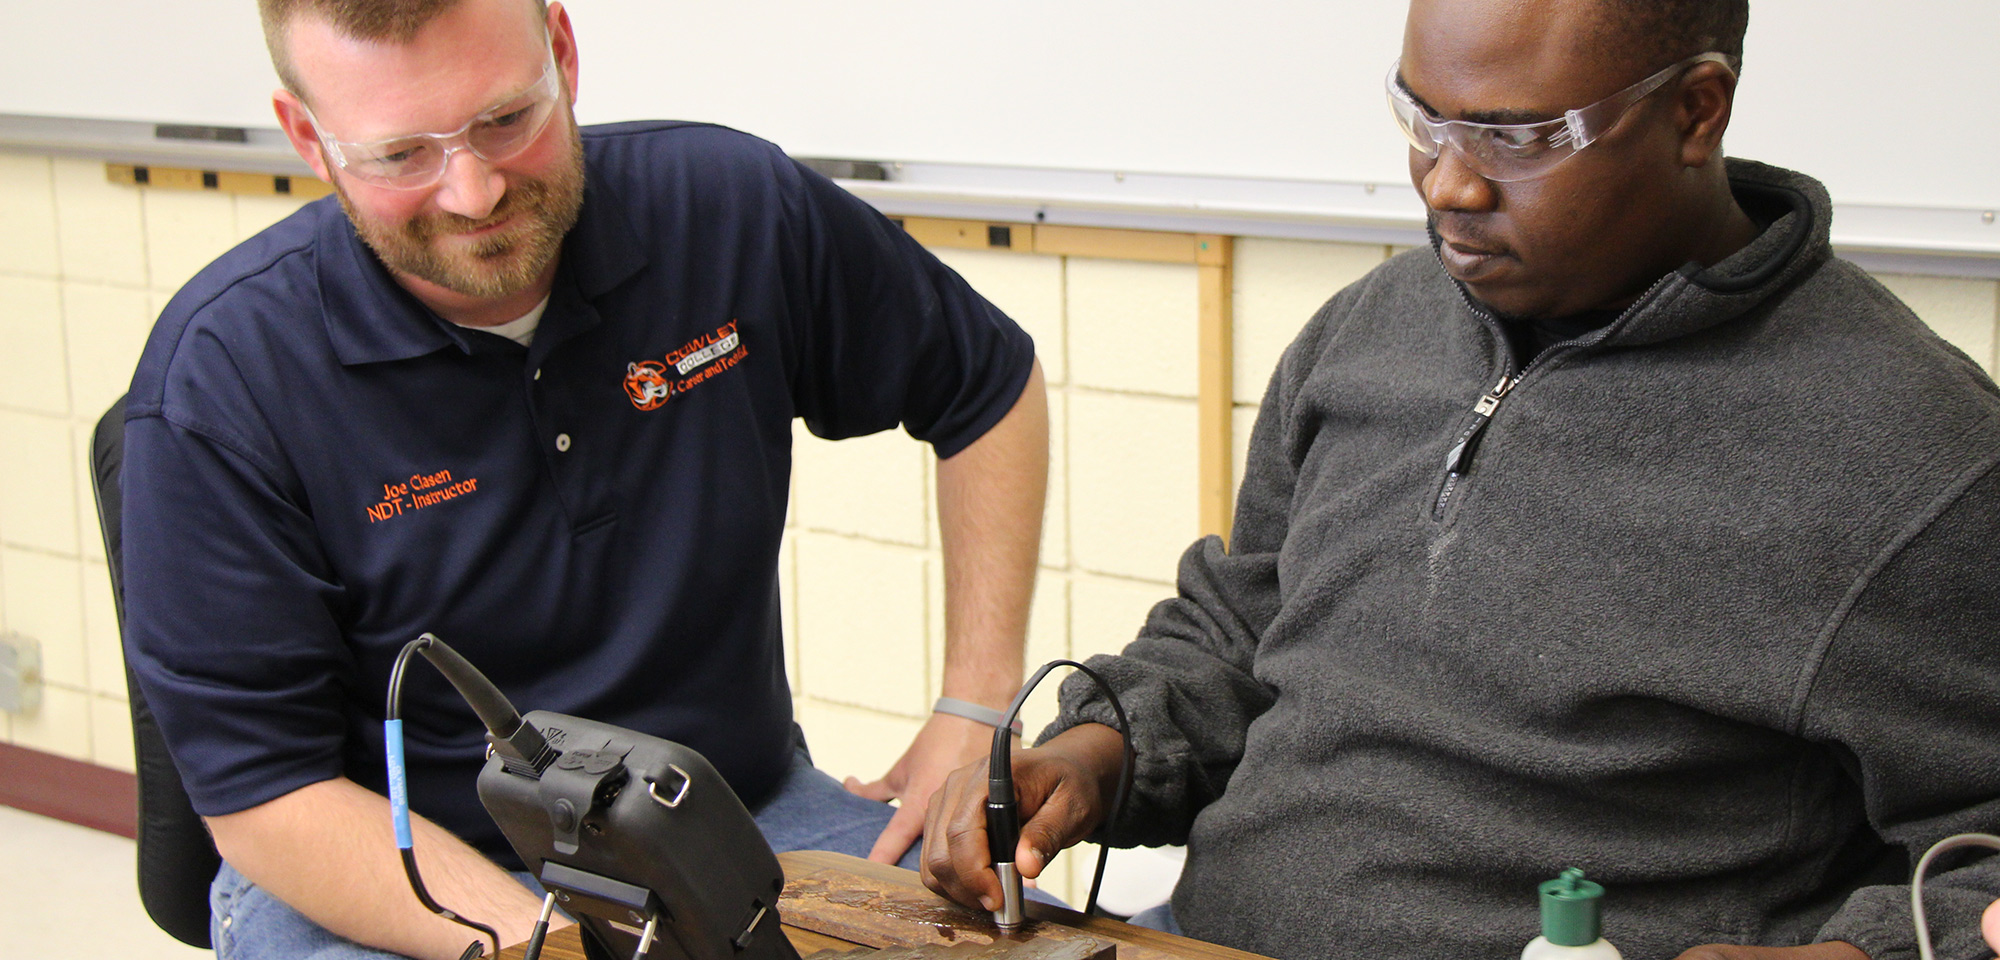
x=398 y=154
x=510 y=119
x=1516 y=140
x=393 y=157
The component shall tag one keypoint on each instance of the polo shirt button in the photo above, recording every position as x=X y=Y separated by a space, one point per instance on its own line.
x=562 y=443
x=538 y=374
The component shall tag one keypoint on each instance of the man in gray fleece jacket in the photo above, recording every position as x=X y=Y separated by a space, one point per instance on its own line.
x=1626 y=528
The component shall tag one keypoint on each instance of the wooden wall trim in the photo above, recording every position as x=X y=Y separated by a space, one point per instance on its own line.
x=81 y=793
x=1154 y=246
x=219 y=181
x=1216 y=261
x=970 y=234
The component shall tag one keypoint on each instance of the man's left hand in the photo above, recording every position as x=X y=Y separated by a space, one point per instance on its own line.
x=946 y=743
x=1829 y=950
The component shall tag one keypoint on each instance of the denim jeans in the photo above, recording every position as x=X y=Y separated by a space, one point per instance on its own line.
x=246 y=922
x=810 y=811
x=1158 y=918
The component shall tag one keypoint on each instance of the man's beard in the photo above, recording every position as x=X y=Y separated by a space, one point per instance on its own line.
x=511 y=260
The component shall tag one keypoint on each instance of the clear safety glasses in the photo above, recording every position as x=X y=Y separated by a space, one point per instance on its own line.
x=1510 y=152
x=418 y=160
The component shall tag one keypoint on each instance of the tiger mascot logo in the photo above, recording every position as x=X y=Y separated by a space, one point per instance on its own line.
x=646 y=383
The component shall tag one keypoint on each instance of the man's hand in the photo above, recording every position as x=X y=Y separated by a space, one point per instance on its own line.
x=1063 y=789
x=327 y=850
x=1829 y=950
x=1989 y=924
x=946 y=743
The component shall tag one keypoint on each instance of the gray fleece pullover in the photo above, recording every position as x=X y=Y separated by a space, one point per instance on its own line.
x=1711 y=612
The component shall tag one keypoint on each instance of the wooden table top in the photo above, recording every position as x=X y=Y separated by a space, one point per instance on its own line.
x=901 y=911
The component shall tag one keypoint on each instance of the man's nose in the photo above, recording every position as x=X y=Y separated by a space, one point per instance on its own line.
x=1451 y=184
x=471 y=187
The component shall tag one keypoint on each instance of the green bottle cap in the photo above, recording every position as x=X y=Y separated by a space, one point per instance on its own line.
x=1570 y=910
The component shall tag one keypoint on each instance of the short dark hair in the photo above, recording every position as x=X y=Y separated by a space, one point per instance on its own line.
x=1662 y=32
x=395 y=21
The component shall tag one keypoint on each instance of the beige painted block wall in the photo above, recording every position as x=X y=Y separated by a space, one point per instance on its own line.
x=85 y=265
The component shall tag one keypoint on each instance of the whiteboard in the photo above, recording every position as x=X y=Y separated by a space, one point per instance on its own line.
x=1886 y=103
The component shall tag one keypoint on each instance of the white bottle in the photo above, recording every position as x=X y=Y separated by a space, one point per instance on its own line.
x=1571 y=925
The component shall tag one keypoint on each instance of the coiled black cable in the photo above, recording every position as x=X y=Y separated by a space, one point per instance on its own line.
x=1000 y=764
x=399 y=803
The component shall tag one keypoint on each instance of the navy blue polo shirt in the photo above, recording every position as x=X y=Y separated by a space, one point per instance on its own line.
x=318 y=469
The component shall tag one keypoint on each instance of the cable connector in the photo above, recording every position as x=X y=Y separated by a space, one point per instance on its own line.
x=519 y=745
x=526 y=752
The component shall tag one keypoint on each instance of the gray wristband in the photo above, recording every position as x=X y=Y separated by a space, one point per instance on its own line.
x=972 y=711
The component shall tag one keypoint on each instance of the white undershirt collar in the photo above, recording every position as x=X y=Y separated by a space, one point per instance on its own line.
x=522 y=330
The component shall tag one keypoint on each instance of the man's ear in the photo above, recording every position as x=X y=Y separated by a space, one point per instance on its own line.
x=299 y=130
x=1707 y=94
x=562 y=40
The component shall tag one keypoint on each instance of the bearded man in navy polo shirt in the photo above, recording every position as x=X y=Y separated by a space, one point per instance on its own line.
x=529 y=387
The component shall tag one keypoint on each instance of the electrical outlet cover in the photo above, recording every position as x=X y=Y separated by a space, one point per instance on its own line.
x=20 y=673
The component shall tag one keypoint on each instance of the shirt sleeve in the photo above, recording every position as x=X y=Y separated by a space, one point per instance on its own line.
x=888 y=334
x=1909 y=697
x=230 y=624
x=1188 y=683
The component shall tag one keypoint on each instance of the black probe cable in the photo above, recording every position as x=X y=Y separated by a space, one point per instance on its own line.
x=1003 y=817
x=1955 y=842
x=399 y=796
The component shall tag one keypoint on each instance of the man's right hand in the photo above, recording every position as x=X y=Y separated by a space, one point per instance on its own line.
x=328 y=851
x=1063 y=788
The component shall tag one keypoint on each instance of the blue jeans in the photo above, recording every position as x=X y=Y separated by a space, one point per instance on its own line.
x=810 y=811
x=1158 y=918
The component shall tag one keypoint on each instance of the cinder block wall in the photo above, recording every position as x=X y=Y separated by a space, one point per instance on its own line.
x=86 y=265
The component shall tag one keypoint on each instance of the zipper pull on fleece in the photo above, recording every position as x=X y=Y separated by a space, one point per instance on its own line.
x=1460 y=456
x=1491 y=401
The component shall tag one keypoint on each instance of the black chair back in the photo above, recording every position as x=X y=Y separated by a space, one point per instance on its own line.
x=177 y=859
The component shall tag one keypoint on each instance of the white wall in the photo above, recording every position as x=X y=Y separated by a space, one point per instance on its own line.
x=1879 y=100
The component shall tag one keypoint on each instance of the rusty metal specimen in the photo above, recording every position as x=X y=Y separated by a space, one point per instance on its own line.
x=857 y=909
x=999 y=950
x=845 y=908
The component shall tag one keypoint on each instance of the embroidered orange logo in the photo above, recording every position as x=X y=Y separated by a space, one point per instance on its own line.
x=646 y=383
x=420 y=491
x=649 y=385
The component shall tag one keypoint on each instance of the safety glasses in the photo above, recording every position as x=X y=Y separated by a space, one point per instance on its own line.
x=418 y=160
x=1510 y=152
